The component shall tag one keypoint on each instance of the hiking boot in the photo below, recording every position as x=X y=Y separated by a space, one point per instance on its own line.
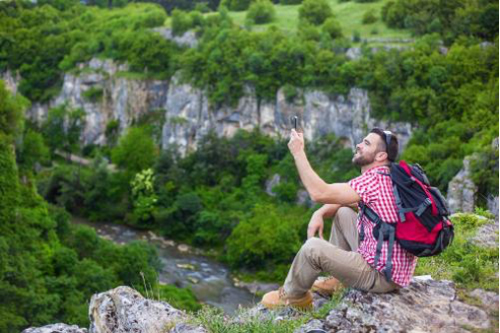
x=327 y=286
x=278 y=298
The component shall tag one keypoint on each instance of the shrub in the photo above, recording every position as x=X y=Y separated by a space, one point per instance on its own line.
x=238 y=5
x=273 y=239
x=93 y=94
x=356 y=37
x=202 y=7
x=332 y=28
x=181 y=22
x=315 y=11
x=291 y=2
x=261 y=11
x=308 y=32
x=369 y=17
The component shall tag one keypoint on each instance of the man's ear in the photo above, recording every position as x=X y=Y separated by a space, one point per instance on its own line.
x=381 y=156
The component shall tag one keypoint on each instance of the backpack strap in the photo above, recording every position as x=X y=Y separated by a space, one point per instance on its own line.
x=424 y=187
x=387 y=231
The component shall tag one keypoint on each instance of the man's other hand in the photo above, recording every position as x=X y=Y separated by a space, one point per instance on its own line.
x=315 y=226
x=296 y=143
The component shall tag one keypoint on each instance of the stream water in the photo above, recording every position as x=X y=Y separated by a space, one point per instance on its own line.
x=210 y=280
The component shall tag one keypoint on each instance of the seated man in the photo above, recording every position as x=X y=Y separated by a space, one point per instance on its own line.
x=349 y=257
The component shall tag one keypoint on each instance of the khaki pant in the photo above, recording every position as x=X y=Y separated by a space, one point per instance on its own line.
x=338 y=257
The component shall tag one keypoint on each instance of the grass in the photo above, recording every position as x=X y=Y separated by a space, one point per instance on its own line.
x=468 y=265
x=248 y=320
x=349 y=14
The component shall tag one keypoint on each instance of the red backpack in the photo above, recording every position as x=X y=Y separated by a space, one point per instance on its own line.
x=423 y=228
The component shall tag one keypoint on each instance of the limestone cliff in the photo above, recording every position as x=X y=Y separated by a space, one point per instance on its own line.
x=106 y=93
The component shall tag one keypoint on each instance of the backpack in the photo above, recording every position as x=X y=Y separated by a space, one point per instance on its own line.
x=423 y=228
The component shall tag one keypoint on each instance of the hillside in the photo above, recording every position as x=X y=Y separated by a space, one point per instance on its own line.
x=198 y=134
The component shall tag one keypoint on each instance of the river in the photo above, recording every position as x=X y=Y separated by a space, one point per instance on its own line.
x=183 y=267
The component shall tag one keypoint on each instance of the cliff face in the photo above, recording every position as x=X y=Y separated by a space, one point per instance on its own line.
x=104 y=93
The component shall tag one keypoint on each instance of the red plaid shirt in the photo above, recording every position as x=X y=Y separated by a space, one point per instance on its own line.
x=375 y=191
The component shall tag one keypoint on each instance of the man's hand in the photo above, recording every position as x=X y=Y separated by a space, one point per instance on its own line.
x=296 y=143
x=315 y=226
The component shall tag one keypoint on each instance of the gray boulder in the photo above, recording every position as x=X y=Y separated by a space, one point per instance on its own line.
x=424 y=306
x=461 y=190
x=124 y=310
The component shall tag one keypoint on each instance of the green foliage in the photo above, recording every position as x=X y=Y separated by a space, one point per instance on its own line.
x=291 y=2
x=449 y=20
x=215 y=321
x=11 y=112
x=135 y=151
x=181 y=22
x=332 y=27
x=470 y=265
x=63 y=127
x=32 y=150
x=315 y=11
x=261 y=11
x=143 y=197
x=369 y=17
x=93 y=94
x=179 y=298
x=274 y=239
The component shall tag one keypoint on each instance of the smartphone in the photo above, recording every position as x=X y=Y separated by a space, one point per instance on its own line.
x=295 y=120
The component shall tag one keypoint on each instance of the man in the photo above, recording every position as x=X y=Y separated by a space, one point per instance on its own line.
x=349 y=257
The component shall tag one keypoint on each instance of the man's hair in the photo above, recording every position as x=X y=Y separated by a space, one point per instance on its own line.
x=389 y=143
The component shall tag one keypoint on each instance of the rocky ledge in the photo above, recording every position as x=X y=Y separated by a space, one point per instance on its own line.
x=425 y=306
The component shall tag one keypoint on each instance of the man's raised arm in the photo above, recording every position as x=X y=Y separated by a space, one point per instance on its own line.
x=339 y=193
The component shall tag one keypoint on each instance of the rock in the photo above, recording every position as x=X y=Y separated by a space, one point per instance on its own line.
x=493 y=206
x=11 y=81
x=186 y=116
x=56 y=328
x=353 y=53
x=425 y=306
x=314 y=325
x=186 y=266
x=185 y=328
x=487 y=234
x=270 y=183
x=488 y=298
x=183 y=248
x=461 y=190
x=186 y=39
x=304 y=199
x=123 y=310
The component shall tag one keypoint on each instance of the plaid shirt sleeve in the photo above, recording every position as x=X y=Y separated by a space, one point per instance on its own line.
x=366 y=186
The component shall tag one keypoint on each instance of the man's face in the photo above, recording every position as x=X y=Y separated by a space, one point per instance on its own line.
x=367 y=150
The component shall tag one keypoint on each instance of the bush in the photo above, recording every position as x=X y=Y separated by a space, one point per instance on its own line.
x=274 y=239
x=356 y=37
x=202 y=7
x=238 y=5
x=261 y=11
x=181 y=22
x=332 y=28
x=369 y=17
x=315 y=11
x=291 y=2
x=135 y=151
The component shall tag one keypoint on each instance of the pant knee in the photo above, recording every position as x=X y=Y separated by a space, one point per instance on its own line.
x=311 y=247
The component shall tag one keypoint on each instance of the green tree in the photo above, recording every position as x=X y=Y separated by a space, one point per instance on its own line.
x=315 y=11
x=135 y=151
x=261 y=11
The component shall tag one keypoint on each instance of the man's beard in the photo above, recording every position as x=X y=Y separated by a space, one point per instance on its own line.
x=362 y=160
